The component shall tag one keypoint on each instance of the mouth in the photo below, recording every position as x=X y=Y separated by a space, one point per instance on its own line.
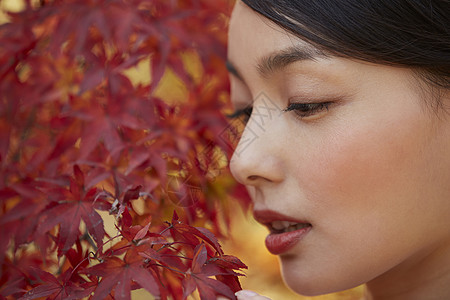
x=277 y=222
x=277 y=227
x=285 y=232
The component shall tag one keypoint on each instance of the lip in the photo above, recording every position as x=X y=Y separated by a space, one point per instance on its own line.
x=279 y=243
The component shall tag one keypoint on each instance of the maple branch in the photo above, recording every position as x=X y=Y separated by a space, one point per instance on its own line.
x=77 y=266
x=122 y=248
x=169 y=245
x=169 y=268
x=119 y=235
x=180 y=256
x=86 y=236
x=96 y=252
x=166 y=229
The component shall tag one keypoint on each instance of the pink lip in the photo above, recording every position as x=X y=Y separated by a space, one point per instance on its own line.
x=279 y=243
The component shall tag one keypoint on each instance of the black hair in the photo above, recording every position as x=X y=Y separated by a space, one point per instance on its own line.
x=408 y=33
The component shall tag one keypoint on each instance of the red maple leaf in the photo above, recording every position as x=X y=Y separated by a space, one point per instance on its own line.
x=192 y=235
x=119 y=274
x=74 y=205
x=222 y=267
x=67 y=100
x=208 y=288
x=52 y=288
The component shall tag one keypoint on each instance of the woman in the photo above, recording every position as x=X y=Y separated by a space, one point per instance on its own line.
x=346 y=150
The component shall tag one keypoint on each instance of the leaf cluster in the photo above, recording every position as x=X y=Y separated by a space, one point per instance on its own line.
x=80 y=139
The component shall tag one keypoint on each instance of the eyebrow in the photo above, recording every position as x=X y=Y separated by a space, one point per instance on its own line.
x=278 y=60
x=281 y=59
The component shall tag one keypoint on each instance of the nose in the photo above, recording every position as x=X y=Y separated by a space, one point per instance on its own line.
x=258 y=157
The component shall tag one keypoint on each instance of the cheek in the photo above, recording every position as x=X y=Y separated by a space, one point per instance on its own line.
x=353 y=160
x=363 y=168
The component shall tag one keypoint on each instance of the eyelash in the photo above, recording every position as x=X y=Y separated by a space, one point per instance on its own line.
x=302 y=110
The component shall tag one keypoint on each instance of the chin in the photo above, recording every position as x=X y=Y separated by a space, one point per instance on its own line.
x=307 y=288
x=313 y=283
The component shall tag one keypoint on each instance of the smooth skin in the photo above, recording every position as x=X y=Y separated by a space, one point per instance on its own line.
x=370 y=170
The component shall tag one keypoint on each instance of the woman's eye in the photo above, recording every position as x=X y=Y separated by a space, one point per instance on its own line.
x=242 y=114
x=304 y=110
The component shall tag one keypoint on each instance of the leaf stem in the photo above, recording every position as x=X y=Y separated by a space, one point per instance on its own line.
x=169 y=268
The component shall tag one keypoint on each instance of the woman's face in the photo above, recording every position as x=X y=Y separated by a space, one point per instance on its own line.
x=362 y=161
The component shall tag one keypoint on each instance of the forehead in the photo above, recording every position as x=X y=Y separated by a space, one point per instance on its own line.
x=252 y=37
